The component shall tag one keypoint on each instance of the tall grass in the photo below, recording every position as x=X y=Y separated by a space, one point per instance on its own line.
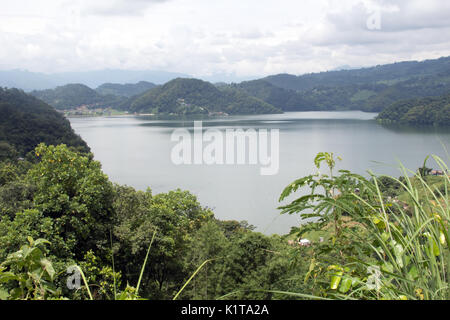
x=398 y=247
x=411 y=236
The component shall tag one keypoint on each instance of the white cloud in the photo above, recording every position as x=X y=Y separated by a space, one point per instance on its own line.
x=118 y=7
x=203 y=37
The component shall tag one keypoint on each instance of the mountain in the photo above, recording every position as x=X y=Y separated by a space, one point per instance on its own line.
x=27 y=121
x=125 y=90
x=74 y=95
x=426 y=111
x=370 y=97
x=189 y=96
x=284 y=99
x=367 y=89
x=30 y=81
x=387 y=74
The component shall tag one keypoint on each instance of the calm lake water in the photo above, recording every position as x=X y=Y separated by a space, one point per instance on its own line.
x=136 y=151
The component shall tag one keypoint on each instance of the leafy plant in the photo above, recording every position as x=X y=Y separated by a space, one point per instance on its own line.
x=28 y=274
x=392 y=250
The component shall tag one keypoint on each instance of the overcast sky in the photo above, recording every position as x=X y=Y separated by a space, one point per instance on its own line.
x=203 y=37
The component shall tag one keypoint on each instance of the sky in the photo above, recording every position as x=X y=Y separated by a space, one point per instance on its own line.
x=242 y=38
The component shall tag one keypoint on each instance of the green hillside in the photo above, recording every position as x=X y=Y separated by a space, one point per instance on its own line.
x=427 y=111
x=26 y=121
x=192 y=96
x=125 y=90
x=281 y=98
x=367 y=89
x=74 y=95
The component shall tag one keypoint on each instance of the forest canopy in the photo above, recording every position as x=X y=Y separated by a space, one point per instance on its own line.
x=26 y=121
x=427 y=111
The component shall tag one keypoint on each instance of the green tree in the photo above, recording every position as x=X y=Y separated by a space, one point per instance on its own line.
x=76 y=194
x=7 y=151
x=208 y=243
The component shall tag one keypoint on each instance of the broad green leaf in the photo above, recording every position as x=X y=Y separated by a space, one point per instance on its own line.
x=412 y=273
x=336 y=276
x=7 y=276
x=387 y=267
x=4 y=295
x=335 y=280
x=47 y=265
x=41 y=241
x=345 y=285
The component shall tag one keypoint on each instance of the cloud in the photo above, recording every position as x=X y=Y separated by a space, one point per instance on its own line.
x=251 y=34
x=120 y=7
x=204 y=37
x=395 y=16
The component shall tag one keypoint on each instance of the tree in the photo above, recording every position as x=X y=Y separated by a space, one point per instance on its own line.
x=208 y=243
x=73 y=191
x=7 y=151
x=175 y=216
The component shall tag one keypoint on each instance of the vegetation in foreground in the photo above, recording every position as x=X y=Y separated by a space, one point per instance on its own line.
x=389 y=237
x=385 y=238
x=107 y=231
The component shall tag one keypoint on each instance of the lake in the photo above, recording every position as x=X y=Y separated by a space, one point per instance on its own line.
x=136 y=151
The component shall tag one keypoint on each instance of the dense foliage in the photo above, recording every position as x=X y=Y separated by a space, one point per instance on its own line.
x=388 y=237
x=26 y=121
x=382 y=238
x=427 y=111
x=284 y=99
x=188 y=96
x=75 y=95
x=107 y=229
x=370 y=97
x=125 y=90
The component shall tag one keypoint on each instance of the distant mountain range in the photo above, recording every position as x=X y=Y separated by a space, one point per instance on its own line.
x=367 y=89
x=383 y=74
x=30 y=81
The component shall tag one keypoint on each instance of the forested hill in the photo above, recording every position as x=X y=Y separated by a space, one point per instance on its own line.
x=193 y=96
x=426 y=111
x=26 y=121
x=74 y=95
x=368 y=89
x=387 y=74
x=284 y=99
x=125 y=90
